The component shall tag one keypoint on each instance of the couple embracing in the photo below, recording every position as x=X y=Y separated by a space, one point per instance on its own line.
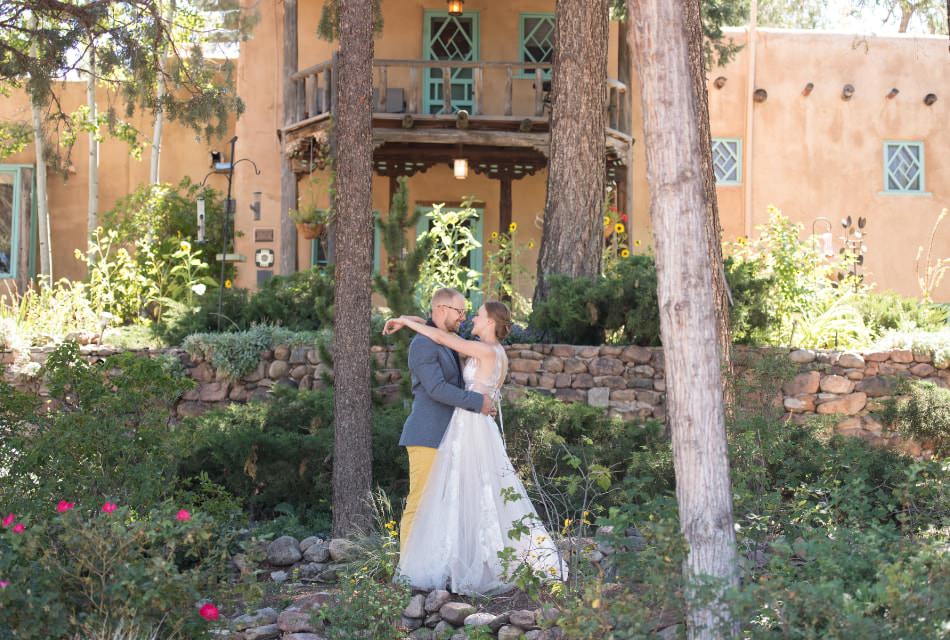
x=464 y=494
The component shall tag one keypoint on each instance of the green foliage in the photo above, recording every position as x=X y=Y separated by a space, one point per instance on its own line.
x=76 y=573
x=936 y=343
x=446 y=264
x=505 y=276
x=14 y=136
x=886 y=312
x=328 y=28
x=237 y=353
x=108 y=437
x=276 y=455
x=45 y=312
x=921 y=410
x=302 y=301
x=397 y=282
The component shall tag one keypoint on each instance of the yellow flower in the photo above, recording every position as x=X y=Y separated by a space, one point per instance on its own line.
x=567 y=522
x=185 y=246
x=625 y=253
x=636 y=243
x=531 y=244
x=619 y=228
x=227 y=284
x=494 y=234
x=606 y=221
x=552 y=571
x=595 y=603
x=513 y=227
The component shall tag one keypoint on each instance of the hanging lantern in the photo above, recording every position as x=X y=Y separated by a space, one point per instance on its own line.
x=460 y=168
x=455 y=7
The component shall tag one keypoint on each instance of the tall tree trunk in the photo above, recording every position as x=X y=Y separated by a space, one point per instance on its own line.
x=92 y=213
x=154 y=172
x=721 y=295
x=288 y=180
x=906 y=14
x=42 y=191
x=671 y=110
x=352 y=450
x=572 y=239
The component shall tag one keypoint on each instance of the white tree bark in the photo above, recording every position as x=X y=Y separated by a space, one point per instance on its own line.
x=42 y=193
x=154 y=173
x=92 y=216
x=687 y=309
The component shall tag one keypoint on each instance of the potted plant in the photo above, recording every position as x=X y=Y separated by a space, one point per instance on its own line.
x=310 y=219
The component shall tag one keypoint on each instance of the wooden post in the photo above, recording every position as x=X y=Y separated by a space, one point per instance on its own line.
x=539 y=92
x=476 y=99
x=288 y=180
x=447 y=90
x=508 y=90
x=504 y=204
x=383 y=88
x=624 y=68
x=308 y=96
x=412 y=105
x=316 y=107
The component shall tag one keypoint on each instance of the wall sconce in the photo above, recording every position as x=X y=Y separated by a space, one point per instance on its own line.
x=460 y=168
x=256 y=205
x=201 y=219
x=455 y=7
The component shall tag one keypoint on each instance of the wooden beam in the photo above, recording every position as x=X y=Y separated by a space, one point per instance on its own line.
x=447 y=90
x=463 y=136
x=288 y=180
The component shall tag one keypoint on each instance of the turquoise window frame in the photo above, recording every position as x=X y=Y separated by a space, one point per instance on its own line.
x=521 y=44
x=922 y=190
x=478 y=255
x=16 y=171
x=738 y=180
x=427 y=103
x=377 y=240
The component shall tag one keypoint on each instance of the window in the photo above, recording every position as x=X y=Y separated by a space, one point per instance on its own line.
x=12 y=202
x=727 y=160
x=903 y=167
x=318 y=251
x=537 y=41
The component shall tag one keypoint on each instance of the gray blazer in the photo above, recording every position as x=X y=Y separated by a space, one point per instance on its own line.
x=437 y=388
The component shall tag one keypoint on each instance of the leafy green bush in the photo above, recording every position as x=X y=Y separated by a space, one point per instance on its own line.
x=302 y=301
x=921 y=410
x=884 y=312
x=276 y=455
x=621 y=306
x=237 y=353
x=934 y=343
x=75 y=570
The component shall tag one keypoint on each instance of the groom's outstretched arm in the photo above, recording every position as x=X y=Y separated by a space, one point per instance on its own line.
x=424 y=363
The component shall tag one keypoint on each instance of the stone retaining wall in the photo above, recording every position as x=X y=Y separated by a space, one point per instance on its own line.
x=626 y=381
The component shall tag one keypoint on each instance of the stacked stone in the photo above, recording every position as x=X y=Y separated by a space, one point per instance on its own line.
x=853 y=386
x=312 y=559
x=435 y=616
x=299 y=621
x=628 y=381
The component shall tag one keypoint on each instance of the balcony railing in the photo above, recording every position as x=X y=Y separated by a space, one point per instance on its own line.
x=438 y=89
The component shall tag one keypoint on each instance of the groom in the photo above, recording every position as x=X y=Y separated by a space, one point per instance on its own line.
x=437 y=388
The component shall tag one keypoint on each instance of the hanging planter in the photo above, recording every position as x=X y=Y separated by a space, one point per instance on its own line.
x=311 y=230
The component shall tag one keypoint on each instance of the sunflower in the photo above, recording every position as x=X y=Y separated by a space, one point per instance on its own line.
x=625 y=253
x=636 y=243
x=619 y=228
x=531 y=244
x=494 y=235
x=513 y=227
x=606 y=221
x=227 y=284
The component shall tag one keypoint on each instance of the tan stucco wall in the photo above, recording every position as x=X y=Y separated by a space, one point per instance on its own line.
x=119 y=173
x=821 y=156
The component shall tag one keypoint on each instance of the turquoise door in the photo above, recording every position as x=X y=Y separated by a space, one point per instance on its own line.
x=448 y=37
x=474 y=260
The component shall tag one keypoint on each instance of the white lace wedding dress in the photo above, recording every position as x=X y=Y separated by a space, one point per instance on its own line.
x=472 y=500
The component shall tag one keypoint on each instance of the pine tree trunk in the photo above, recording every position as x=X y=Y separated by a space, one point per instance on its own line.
x=42 y=191
x=906 y=14
x=688 y=325
x=572 y=239
x=92 y=214
x=721 y=295
x=352 y=451
x=288 y=180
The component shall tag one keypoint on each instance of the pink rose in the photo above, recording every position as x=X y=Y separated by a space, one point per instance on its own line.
x=64 y=506
x=19 y=527
x=8 y=520
x=183 y=516
x=209 y=612
x=4 y=584
x=109 y=507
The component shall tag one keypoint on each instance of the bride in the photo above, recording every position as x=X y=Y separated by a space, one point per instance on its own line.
x=474 y=507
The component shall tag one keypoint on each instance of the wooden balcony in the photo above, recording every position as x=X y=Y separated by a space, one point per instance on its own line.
x=495 y=106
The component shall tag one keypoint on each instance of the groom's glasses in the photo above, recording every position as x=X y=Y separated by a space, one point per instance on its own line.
x=461 y=312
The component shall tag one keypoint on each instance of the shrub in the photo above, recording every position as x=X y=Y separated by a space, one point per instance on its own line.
x=936 y=343
x=239 y=352
x=302 y=301
x=276 y=455
x=921 y=410
x=885 y=312
x=86 y=568
x=44 y=312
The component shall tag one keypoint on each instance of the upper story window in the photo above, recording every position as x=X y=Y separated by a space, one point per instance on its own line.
x=12 y=202
x=727 y=160
x=903 y=167
x=537 y=40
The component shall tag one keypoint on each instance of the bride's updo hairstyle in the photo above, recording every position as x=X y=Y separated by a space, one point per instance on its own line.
x=498 y=312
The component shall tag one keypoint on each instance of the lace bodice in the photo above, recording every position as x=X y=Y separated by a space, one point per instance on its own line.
x=492 y=385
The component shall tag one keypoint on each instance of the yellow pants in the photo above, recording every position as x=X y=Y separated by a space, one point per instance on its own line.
x=420 y=464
